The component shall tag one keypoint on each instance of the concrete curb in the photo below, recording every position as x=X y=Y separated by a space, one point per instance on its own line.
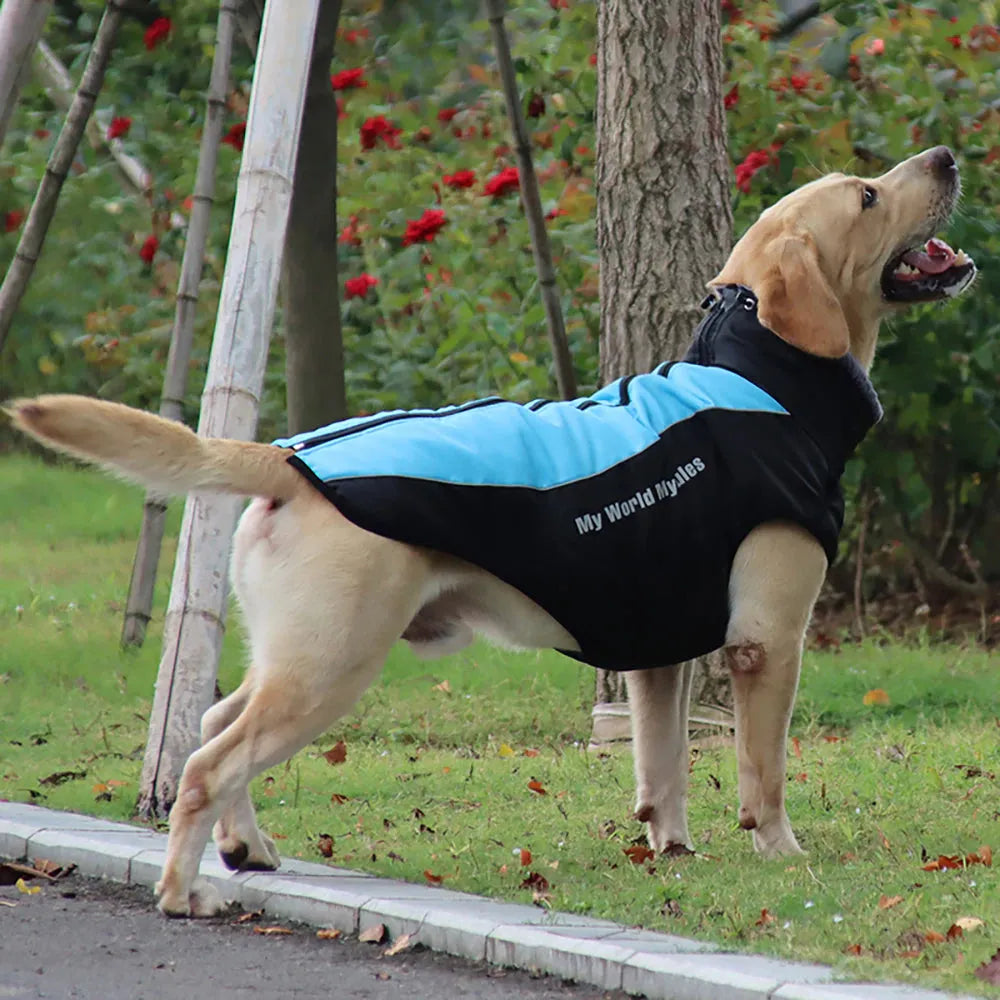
x=598 y=952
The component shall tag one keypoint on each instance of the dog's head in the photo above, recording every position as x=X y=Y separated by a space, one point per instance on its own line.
x=829 y=260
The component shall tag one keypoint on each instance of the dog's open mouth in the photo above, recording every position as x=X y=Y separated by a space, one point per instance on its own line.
x=924 y=273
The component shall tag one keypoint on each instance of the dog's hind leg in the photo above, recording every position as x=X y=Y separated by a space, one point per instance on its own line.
x=775 y=580
x=240 y=842
x=271 y=728
x=659 y=704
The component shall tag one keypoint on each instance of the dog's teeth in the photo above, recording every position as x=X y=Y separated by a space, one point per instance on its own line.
x=961 y=257
x=905 y=268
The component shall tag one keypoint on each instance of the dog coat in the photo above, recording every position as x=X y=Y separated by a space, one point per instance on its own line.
x=619 y=514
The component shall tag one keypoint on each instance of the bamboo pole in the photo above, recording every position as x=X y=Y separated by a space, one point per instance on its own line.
x=21 y=25
x=139 y=606
x=58 y=85
x=195 y=619
x=29 y=247
x=530 y=198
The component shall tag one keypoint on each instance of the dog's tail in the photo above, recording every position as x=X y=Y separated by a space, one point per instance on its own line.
x=164 y=456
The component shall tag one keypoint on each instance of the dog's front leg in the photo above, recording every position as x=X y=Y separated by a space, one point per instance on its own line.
x=775 y=580
x=659 y=704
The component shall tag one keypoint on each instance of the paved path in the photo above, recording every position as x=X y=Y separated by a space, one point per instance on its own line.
x=509 y=935
x=99 y=940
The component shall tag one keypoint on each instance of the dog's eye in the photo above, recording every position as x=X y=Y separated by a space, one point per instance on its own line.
x=869 y=196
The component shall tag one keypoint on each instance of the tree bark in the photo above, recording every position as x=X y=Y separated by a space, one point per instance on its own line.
x=21 y=24
x=664 y=220
x=195 y=621
x=314 y=350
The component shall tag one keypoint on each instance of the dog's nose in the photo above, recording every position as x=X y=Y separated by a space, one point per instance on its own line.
x=942 y=162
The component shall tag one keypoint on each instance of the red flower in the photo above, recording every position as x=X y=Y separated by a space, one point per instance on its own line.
x=955 y=40
x=377 y=128
x=460 y=179
x=354 y=35
x=592 y=59
x=349 y=79
x=235 y=136
x=148 y=249
x=351 y=233
x=536 y=106
x=357 y=288
x=732 y=98
x=875 y=47
x=755 y=160
x=500 y=184
x=424 y=229
x=119 y=127
x=446 y=114
x=554 y=213
x=12 y=220
x=557 y=4
x=341 y=113
x=157 y=32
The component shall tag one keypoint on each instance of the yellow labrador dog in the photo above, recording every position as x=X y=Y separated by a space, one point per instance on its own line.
x=330 y=570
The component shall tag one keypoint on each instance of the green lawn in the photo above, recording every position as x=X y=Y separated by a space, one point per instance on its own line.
x=440 y=757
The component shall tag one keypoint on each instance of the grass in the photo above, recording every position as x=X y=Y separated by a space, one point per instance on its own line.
x=441 y=757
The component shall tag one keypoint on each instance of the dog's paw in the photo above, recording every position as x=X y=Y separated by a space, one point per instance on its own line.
x=666 y=831
x=776 y=841
x=202 y=900
x=239 y=856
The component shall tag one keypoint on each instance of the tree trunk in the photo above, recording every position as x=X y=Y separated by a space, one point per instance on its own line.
x=21 y=24
x=664 y=221
x=195 y=621
x=314 y=350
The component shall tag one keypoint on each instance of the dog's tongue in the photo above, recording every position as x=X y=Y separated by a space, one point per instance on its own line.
x=935 y=258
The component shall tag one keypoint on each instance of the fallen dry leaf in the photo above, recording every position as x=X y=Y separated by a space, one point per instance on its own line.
x=373 y=935
x=531 y=753
x=853 y=949
x=445 y=688
x=989 y=971
x=383 y=975
x=11 y=873
x=325 y=845
x=52 y=869
x=525 y=857
x=432 y=878
x=337 y=754
x=249 y=917
x=943 y=862
x=329 y=933
x=505 y=750
x=638 y=853
x=535 y=881
x=28 y=890
x=59 y=777
x=402 y=943
x=272 y=931
x=337 y=799
x=933 y=937
x=765 y=918
x=796 y=746
x=968 y=923
x=954 y=932
x=537 y=787
x=888 y=902
x=877 y=696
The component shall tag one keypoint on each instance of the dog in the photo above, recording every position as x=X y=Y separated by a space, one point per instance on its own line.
x=777 y=378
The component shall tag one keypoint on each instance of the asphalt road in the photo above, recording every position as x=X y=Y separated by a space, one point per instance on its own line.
x=95 y=940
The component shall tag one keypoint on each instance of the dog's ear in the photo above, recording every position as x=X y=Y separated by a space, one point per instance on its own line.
x=795 y=299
